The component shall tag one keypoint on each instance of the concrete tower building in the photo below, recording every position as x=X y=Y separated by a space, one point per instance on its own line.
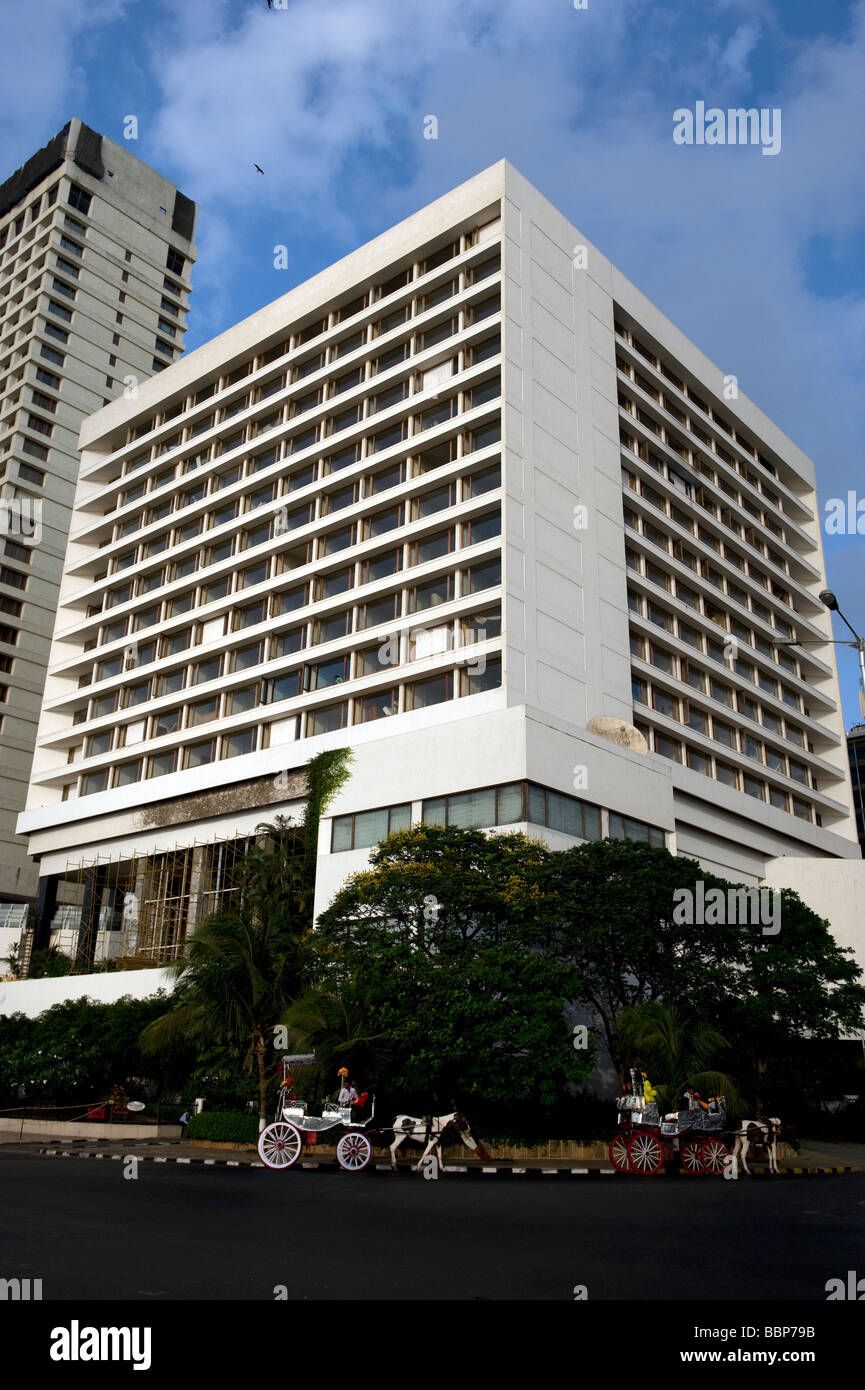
x=95 y=253
x=467 y=502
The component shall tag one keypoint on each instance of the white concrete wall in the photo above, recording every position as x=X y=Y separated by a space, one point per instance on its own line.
x=833 y=888
x=567 y=620
x=33 y=997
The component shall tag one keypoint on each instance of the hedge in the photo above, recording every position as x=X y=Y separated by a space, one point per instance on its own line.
x=223 y=1126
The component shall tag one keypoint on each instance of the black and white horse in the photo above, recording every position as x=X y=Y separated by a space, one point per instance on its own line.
x=431 y=1131
x=767 y=1134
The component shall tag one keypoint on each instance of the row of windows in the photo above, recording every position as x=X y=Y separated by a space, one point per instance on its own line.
x=514 y=803
x=667 y=543
x=282 y=522
x=286 y=519
x=317 y=361
x=725 y=653
x=643 y=564
x=721 y=617
x=285 y=448
x=396 y=650
x=702 y=721
x=389 y=396
x=747 y=782
x=413 y=695
x=685 y=388
x=315 y=470
x=49 y=198
x=444 y=543
x=288 y=446
x=393 y=650
x=388 y=608
x=691 y=484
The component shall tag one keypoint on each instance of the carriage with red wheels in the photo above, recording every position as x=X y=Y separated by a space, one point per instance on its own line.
x=646 y=1140
x=281 y=1143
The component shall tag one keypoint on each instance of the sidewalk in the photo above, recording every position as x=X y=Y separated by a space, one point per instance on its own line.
x=814 y=1158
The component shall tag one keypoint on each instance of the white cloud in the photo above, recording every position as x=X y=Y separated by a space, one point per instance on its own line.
x=737 y=51
x=43 y=79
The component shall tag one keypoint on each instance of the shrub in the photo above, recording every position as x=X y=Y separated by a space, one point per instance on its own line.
x=223 y=1127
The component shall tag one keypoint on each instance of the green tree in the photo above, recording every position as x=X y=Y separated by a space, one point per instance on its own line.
x=76 y=1051
x=610 y=909
x=675 y=1049
x=242 y=968
x=438 y=938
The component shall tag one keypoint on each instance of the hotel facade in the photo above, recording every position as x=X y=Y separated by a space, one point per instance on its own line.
x=468 y=503
x=95 y=252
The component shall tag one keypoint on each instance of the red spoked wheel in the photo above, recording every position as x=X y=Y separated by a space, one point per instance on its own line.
x=619 y=1151
x=645 y=1154
x=279 y=1145
x=691 y=1155
x=714 y=1153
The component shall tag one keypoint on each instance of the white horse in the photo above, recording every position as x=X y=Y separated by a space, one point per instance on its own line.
x=769 y=1131
x=431 y=1131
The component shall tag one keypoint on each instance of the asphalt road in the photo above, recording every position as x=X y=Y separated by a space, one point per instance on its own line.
x=178 y=1233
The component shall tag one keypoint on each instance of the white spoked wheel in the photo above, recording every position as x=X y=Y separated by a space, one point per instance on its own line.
x=353 y=1151
x=279 y=1145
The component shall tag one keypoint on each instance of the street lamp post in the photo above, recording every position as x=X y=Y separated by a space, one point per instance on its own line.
x=858 y=643
x=831 y=603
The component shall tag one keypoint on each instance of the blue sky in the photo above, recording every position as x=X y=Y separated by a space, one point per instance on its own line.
x=761 y=260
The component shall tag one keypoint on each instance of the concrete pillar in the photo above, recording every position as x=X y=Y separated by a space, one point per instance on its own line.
x=45 y=909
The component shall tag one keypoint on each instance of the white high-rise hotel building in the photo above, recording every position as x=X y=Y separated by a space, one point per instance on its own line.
x=95 y=253
x=448 y=502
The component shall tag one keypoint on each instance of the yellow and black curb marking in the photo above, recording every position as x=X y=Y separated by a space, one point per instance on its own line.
x=757 y=1171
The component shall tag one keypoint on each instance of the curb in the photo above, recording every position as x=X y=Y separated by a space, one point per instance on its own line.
x=326 y=1167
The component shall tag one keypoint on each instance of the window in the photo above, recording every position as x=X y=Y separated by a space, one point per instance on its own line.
x=487 y=675
x=93 y=782
x=435 y=690
x=626 y=828
x=484 y=576
x=198 y=754
x=235 y=745
x=432 y=593
x=160 y=764
x=433 y=547
x=174 y=261
x=367 y=828
x=486 y=480
x=668 y=747
x=29 y=474
x=325 y=721
x=79 y=199
x=244 y=658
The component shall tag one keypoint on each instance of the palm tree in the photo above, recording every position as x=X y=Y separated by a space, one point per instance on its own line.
x=335 y=1024
x=242 y=968
x=675 y=1050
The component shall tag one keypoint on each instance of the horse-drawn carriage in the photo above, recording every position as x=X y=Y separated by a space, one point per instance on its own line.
x=646 y=1139
x=699 y=1134
x=281 y=1143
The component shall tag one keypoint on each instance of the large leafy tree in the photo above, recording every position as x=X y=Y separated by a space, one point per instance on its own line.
x=610 y=909
x=242 y=968
x=439 y=937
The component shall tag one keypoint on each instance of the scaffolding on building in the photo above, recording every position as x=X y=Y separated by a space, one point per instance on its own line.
x=135 y=911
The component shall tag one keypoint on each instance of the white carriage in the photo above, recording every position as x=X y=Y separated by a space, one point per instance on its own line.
x=281 y=1143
